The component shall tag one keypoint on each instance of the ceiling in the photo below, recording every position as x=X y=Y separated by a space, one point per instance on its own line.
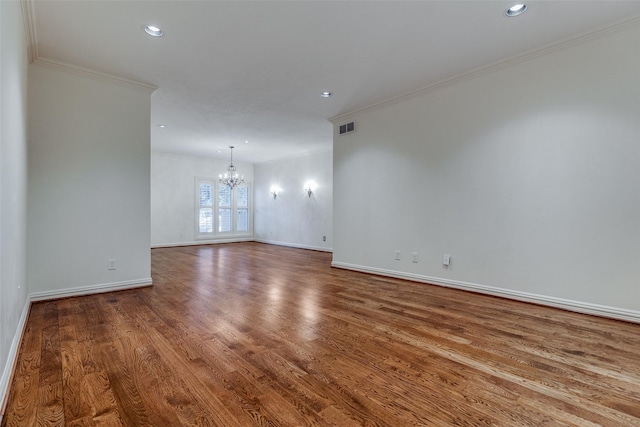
x=234 y=71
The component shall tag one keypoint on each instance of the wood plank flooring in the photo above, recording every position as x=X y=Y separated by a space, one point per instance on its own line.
x=249 y=334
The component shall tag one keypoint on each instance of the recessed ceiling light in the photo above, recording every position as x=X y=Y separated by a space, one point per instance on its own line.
x=516 y=9
x=162 y=126
x=326 y=94
x=153 y=31
x=246 y=142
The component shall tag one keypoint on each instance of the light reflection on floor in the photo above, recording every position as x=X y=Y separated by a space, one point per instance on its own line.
x=211 y=277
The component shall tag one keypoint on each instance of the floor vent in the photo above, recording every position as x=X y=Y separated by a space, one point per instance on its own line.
x=347 y=128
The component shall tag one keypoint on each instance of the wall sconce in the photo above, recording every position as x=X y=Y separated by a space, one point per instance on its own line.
x=309 y=187
x=274 y=191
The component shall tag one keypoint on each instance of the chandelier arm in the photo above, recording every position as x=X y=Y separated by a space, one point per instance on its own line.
x=232 y=178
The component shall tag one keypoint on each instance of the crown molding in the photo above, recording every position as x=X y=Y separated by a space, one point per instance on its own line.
x=31 y=34
x=486 y=69
x=29 y=19
x=96 y=75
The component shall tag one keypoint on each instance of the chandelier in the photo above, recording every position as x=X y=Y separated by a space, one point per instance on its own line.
x=231 y=177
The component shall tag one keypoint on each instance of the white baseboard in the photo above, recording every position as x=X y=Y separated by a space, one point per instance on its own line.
x=565 y=304
x=202 y=242
x=241 y=239
x=89 y=290
x=7 y=372
x=294 y=245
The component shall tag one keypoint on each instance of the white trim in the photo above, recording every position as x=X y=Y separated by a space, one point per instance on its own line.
x=204 y=242
x=295 y=245
x=90 y=290
x=96 y=75
x=28 y=16
x=198 y=180
x=215 y=208
x=242 y=239
x=505 y=63
x=565 y=304
x=12 y=356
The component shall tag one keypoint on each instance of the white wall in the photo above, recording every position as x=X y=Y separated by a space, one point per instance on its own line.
x=173 y=178
x=528 y=176
x=293 y=218
x=88 y=182
x=13 y=185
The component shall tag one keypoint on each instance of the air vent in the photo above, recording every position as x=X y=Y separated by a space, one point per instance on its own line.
x=347 y=128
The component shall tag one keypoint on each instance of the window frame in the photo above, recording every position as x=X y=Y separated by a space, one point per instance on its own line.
x=235 y=209
x=200 y=235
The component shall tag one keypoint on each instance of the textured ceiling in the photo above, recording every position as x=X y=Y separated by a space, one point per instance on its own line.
x=230 y=71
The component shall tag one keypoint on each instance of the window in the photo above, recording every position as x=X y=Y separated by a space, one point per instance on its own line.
x=205 y=207
x=221 y=211
x=224 y=209
x=242 y=208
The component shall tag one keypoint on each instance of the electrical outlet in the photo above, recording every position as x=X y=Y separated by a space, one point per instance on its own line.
x=324 y=238
x=446 y=259
x=414 y=256
x=397 y=255
x=111 y=264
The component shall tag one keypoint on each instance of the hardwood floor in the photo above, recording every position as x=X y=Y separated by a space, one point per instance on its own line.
x=249 y=334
